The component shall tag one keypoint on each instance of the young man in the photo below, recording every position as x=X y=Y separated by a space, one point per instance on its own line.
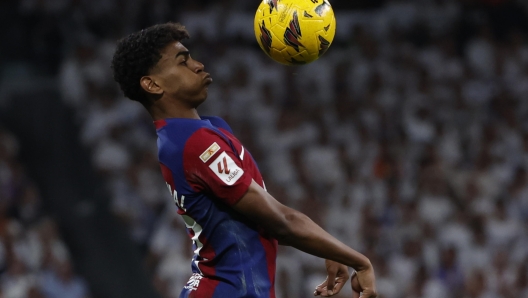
x=233 y=222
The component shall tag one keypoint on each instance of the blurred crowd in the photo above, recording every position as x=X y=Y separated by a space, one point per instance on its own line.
x=408 y=140
x=34 y=260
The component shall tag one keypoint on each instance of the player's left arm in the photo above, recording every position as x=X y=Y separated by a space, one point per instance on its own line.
x=293 y=228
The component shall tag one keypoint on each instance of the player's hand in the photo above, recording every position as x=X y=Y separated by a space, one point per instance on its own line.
x=364 y=282
x=335 y=280
x=356 y=290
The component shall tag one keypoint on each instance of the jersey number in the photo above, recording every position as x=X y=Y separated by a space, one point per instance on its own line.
x=225 y=170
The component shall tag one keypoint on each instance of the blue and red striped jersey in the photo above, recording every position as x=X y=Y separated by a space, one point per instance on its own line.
x=207 y=170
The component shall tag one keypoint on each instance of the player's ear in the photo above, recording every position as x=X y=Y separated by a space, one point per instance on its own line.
x=149 y=85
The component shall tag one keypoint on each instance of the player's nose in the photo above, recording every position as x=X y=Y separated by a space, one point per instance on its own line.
x=199 y=67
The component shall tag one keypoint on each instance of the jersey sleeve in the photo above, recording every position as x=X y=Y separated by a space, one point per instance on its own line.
x=211 y=166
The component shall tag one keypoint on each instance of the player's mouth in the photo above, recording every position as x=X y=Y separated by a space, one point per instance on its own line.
x=207 y=78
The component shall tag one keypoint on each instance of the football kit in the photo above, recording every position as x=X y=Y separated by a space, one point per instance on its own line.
x=207 y=170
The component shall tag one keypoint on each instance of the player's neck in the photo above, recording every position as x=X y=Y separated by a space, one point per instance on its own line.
x=159 y=112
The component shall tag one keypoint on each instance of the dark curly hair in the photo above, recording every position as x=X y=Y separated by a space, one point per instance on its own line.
x=139 y=52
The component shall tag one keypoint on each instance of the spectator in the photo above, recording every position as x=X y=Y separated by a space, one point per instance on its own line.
x=413 y=125
x=29 y=241
x=60 y=281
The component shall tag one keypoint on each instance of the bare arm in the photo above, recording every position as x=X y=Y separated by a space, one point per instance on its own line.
x=293 y=228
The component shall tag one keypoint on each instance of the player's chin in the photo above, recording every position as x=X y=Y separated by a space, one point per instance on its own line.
x=201 y=98
x=204 y=93
x=203 y=88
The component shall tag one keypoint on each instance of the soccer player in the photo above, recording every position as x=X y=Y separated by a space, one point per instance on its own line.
x=234 y=224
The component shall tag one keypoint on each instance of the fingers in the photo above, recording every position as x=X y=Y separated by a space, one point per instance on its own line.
x=356 y=289
x=355 y=283
x=330 y=281
x=335 y=280
x=363 y=285
x=321 y=288
x=368 y=294
x=337 y=287
x=367 y=282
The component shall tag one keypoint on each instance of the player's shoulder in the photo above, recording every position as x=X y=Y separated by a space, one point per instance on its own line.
x=178 y=130
x=206 y=140
x=218 y=122
x=174 y=134
x=179 y=135
x=179 y=125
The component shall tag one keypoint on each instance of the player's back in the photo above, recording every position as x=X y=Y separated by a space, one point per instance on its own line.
x=207 y=170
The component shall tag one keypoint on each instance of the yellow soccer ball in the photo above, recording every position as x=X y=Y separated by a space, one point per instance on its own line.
x=295 y=32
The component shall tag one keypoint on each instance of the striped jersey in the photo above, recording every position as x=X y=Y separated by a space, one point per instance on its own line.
x=207 y=170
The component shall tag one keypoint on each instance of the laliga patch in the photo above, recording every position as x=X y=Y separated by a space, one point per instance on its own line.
x=209 y=152
x=226 y=169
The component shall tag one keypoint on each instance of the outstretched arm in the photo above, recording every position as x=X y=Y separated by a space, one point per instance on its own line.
x=293 y=228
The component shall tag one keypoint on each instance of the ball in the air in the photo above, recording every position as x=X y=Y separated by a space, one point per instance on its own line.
x=295 y=32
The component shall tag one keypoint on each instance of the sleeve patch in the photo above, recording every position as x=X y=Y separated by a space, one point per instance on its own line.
x=209 y=152
x=226 y=169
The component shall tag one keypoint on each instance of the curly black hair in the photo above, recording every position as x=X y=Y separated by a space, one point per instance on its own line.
x=139 y=52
